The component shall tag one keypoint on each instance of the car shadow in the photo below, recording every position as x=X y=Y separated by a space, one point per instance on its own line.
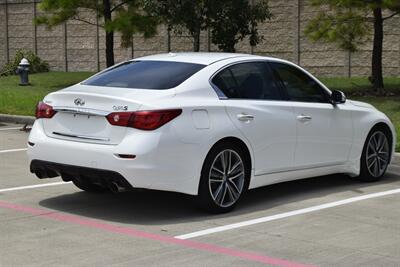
x=148 y=207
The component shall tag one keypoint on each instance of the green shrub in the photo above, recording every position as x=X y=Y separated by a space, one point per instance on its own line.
x=37 y=65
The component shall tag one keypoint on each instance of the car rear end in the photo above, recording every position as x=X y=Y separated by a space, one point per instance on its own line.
x=112 y=134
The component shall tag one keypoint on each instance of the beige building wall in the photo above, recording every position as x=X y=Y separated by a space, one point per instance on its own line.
x=77 y=46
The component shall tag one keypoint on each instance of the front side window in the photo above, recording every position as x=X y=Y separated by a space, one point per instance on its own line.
x=299 y=86
x=146 y=75
x=250 y=80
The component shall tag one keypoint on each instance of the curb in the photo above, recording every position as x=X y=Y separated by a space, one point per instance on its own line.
x=17 y=119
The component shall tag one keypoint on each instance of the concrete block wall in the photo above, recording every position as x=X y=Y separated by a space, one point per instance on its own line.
x=78 y=46
x=279 y=32
x=3 y=34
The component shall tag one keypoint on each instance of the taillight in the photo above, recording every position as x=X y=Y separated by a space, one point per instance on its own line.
x=44 y=111
x=143 y=120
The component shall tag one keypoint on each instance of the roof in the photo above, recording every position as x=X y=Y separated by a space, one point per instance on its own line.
x=194 y=57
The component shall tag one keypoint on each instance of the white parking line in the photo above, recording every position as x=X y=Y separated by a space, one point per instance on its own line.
x=13 y=150
x=32 y=186
x=286 y=214
x=12 y=128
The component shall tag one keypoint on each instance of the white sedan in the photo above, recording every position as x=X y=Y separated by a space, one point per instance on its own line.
x=212 y=125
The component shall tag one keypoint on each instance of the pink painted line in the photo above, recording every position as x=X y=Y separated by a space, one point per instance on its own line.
x=140 y=234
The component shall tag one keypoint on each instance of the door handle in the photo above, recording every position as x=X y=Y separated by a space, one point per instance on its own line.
x=304 y=118
x=245 y=117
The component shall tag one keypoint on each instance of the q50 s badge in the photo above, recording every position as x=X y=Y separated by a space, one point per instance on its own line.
x=118 y=108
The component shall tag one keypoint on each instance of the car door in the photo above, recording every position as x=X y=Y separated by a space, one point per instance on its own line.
x=257 y=108
x=324 y=131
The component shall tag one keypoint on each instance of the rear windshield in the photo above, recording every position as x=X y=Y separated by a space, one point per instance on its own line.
x=146 y=75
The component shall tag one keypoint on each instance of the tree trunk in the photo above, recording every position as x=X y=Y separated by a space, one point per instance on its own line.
x=169 y=38
x=229 y=47
x=377 y=72
x=196 y=41
x=109 y=34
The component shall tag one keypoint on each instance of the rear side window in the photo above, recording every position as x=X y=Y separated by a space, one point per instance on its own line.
x=251 y=80
x=146 y=75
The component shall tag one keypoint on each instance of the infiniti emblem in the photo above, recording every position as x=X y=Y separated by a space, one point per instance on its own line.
x=79 y=102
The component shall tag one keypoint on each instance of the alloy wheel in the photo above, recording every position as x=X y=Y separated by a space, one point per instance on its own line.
x=226 y=178
x=377 y=156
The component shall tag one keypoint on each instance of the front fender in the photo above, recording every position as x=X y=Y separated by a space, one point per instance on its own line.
x=364 y=120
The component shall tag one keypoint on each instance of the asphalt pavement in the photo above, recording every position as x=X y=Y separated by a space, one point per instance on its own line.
x=324 y=221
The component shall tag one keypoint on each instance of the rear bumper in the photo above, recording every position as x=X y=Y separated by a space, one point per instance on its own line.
x=162 y=162
x=46 y=169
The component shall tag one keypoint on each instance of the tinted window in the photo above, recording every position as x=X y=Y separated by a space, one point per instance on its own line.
x=250 y=80
x=300 y=87
x=146 y=75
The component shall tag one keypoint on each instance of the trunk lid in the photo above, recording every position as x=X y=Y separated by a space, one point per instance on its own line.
x=82 y=110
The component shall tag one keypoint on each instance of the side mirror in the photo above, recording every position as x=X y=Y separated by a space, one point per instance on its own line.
x=338 y=97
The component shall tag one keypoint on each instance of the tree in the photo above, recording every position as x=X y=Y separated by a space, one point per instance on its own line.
x=348 y=23
x=232 y=20
x=182 y=14
x=228 y=20
x=126 y=17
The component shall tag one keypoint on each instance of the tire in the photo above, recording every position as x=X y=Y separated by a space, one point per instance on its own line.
x=222 y=186
x=376 y=155
x=89 y=187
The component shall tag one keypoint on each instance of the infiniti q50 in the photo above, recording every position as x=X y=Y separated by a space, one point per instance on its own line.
x=212 y=125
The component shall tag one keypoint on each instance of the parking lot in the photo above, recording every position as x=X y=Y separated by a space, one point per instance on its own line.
x=324 y=221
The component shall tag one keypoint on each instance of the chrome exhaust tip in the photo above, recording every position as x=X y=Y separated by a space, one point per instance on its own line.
x=116 y=188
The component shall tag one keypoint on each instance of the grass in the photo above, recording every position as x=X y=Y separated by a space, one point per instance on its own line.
x=360 y=86
x=20 y=100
